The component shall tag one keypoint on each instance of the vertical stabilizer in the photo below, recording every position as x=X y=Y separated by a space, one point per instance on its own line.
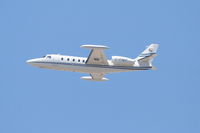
x=147 y=56
x=150 y=49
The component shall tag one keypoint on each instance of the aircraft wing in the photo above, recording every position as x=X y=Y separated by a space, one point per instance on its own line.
x=96 y=55
x=95 y=77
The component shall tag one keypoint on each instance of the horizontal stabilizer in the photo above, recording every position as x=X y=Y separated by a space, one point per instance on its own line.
x=147 y=56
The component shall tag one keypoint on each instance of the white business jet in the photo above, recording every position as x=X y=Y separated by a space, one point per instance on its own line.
x=97 y=64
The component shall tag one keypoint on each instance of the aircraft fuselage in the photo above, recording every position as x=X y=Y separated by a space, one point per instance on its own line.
x=96 y=64
x=78 y=64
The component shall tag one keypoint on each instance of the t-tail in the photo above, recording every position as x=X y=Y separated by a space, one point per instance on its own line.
x=146 y=57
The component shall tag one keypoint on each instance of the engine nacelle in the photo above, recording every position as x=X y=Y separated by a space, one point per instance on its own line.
x=122 y=61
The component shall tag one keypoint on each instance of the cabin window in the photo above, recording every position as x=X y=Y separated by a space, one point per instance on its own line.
x=73 y=59
x=83 y=60
x=61 y=58
x=78 y=60
x=67 y=59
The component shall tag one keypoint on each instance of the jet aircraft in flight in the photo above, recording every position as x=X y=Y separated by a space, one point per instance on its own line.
x=96 y=64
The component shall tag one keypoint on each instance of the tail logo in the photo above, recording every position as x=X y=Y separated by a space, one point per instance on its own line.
x=150 y=49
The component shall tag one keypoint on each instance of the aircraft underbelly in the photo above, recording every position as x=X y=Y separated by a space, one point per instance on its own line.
x=86 y=69
x=98 y=70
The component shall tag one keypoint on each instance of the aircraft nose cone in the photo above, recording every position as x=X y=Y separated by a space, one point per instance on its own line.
x=29 y=61
x=33 y=61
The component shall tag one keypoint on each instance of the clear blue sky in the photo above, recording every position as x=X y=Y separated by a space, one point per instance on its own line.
x=34 y=100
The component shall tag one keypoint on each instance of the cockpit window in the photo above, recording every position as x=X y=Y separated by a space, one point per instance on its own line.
x=49 y=57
